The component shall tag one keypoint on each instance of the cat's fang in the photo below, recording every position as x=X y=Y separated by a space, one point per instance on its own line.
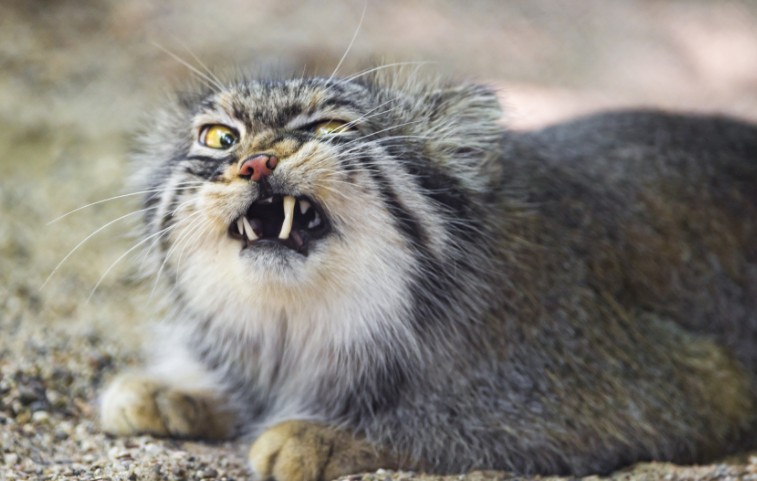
x=286 y=226
x=240 y=226
x=249 y=230
x=304 y=206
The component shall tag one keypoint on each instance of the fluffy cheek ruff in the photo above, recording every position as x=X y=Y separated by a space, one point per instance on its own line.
x=356 y=271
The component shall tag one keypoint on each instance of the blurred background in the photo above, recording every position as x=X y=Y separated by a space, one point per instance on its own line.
x=78 y=77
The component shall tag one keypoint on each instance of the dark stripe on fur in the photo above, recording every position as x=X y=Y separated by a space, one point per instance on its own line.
x=447 y=193
x=209 y=167
x=432 y=277
x=404 y=219
x=376 y=391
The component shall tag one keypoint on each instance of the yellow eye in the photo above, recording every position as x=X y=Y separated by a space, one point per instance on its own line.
x=218 y=136
x=331 y=127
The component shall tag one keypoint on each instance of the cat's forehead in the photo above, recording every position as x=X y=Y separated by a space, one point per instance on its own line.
x=267 y=99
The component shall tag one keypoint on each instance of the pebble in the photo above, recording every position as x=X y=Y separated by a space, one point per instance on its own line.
x=206 y=473
x=26 y=395
x=40 y=416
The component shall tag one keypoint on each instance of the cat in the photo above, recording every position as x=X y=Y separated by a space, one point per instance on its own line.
x=372 y=272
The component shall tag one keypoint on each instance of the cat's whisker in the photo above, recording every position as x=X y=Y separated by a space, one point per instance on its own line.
x=190 y=220
x=211 y=81
x=155 y=245
x=357 y=121
x=377 y=142
x=368 y=115
x=122 y=256
x=109 y=199
x=418 y=63
x=183 y=205
x=378 y=132
x=209 y=72
x=200 y=232
x=352 y=42
x=83 y=241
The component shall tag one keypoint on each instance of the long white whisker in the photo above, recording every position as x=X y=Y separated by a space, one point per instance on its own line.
x=121 y=257
x=176 y=244
x=100 y=229
x=122 y=196
x=205 y=77
x=372 y=134
x=199 y=235
x=202 y=64
x=349 y=47
x=197 y=59
x=385 y=66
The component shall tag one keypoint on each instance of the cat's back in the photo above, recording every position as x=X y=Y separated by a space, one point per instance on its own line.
x=648 y=145
x=656 y=210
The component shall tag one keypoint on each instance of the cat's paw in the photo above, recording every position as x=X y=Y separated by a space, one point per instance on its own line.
x=135 y=404
x=308 y=451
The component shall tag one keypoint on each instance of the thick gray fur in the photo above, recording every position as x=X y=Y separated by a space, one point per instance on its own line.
x=568 y=300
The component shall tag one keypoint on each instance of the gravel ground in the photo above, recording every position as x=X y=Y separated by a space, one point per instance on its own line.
x=77 y=77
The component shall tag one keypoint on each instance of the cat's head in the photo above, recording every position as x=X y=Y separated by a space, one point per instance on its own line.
x=279 y=188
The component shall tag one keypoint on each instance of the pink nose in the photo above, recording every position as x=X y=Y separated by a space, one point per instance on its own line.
x=258 y=166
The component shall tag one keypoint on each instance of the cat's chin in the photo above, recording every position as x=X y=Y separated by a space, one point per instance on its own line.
x=280 y=247
x=270 y=248
x=272 y=257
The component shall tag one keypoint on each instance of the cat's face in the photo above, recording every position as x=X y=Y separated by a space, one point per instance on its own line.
x=297 y=186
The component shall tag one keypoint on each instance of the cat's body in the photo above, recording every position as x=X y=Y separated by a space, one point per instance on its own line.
x=563 y=301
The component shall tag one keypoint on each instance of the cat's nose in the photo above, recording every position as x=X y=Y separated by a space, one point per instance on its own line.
x=258 y=166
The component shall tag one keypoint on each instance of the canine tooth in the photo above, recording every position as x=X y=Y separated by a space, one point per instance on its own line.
x=304 y=206
x=240 y=225
x=250 y=231
x=315 y=222
x=286 y=226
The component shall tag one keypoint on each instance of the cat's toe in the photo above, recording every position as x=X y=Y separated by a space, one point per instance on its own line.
x=134 y=404
x=128 y=406
x=307 y=451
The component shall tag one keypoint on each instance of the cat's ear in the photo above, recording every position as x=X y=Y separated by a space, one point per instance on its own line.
x=464 y=130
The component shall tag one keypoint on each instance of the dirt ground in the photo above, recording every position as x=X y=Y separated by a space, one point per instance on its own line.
x=77 y=78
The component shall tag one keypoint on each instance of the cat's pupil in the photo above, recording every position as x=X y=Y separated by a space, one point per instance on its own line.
x=226 y=140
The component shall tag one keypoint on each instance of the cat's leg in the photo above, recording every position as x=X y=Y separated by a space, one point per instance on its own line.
x=311 y=451
x=175 y=398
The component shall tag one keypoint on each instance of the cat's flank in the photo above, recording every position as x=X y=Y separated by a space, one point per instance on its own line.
x=372 y=273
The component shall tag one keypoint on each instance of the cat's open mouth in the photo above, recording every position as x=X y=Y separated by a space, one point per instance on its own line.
x=282 y=219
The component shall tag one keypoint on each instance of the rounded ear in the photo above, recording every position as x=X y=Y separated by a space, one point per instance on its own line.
x=464 y=131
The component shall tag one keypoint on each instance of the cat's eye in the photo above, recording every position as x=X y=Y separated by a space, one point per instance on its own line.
x=218 y=136
x=332 y=127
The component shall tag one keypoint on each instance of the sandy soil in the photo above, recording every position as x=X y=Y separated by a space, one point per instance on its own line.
x=78 y=77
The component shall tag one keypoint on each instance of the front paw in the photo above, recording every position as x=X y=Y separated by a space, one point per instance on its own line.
x=135 y=404
x=308 y=451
